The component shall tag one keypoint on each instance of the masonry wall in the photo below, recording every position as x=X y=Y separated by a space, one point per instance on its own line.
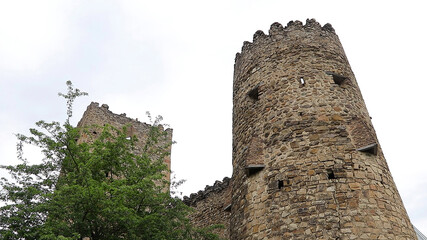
x=101 y=115
x=212 y=207
x=306 y=160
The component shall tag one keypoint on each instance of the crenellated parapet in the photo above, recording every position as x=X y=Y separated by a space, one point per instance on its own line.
x=279 y=33
x=217 y=187
x=101 y=115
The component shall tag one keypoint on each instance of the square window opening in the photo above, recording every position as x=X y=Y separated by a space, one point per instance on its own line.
x=331 y=174
x=280 y=184
x=254 y=94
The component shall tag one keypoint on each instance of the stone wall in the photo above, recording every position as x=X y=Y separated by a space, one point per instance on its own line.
x=212 y=206
x=97 y=116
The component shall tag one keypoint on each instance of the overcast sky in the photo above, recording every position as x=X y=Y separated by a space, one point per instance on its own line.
x=175 y=58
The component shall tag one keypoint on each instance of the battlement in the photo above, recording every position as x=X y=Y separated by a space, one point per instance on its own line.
x=96 y=114
x=217 y=187
x=277 y=33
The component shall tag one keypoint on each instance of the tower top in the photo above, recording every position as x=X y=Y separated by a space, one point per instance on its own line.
x=277 y=33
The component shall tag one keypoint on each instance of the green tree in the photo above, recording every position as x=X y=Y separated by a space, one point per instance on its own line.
x=99 y=188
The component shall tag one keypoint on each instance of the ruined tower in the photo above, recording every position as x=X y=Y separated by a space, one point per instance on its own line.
x=97 y=116
x=306 y=160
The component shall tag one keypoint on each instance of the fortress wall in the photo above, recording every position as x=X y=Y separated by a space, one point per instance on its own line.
x=212 y=206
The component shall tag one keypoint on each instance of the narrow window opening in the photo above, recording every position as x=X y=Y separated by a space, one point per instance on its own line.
x=94 y=132
x=371 y=149
x=300 y=113
x=228 y=208
x=338 y=79
x=280 y=184
x=254 y=168
x=254 y=94
x=331 y=174
x=302 y=81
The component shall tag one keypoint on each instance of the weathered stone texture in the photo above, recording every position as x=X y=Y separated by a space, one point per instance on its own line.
x=212 y=206
x=95 y=117
x=298 y=110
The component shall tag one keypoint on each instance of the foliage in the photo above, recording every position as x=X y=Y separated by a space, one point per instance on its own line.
x=104 y=187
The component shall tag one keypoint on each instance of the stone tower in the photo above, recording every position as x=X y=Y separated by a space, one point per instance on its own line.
x=306 y=160
x=97 y=116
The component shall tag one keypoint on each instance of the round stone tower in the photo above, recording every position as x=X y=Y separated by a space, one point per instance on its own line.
x=306 y=161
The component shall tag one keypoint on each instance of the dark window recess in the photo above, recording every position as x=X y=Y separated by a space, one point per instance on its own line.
x=254 y=93
x=371 y=149
x=302 y=81
x=254 y=168
x=280 y=184
x=94 y=132
x=228 y=208
x=331 y=174
x=338 y=79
